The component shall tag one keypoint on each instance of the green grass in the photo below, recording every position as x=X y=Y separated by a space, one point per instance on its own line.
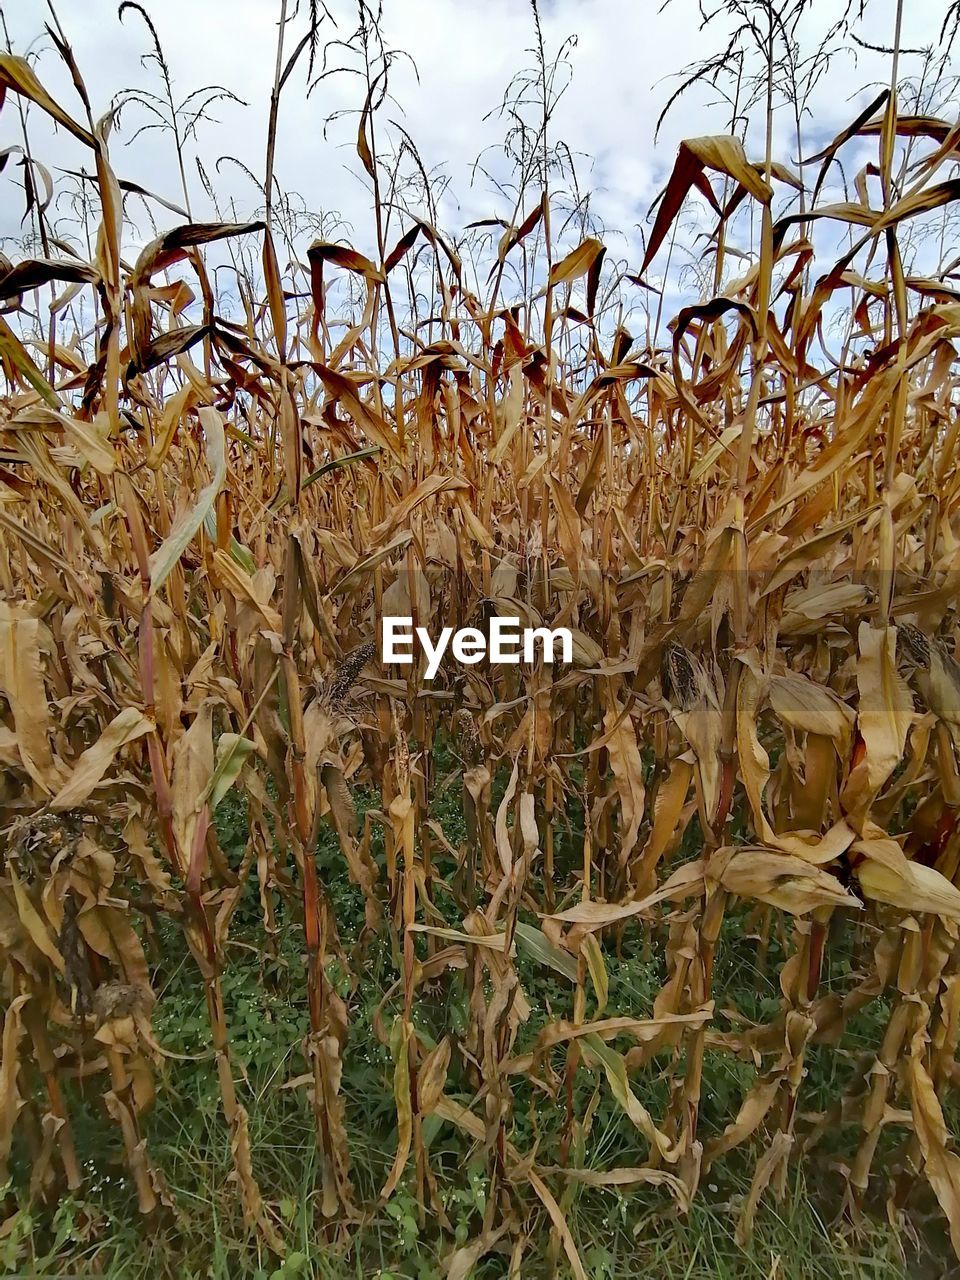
x=619 y=1233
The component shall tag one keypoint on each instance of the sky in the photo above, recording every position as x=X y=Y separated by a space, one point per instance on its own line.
x=625 y=63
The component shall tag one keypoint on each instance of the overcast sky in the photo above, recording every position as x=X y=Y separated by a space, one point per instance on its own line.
x=624 y=67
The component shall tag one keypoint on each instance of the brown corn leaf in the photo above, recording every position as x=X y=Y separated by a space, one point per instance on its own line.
x=886 y=875
x=578 y=262
x=432 y=1076
x=884 y=716
x=788 y=883
x=126 y=726
x=941 y=1166
x=168 y=554
x=18 y=75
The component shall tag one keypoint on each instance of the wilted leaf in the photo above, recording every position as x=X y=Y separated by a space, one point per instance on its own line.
x=89 y=770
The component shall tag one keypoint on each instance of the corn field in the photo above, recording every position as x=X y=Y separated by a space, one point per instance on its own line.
x=749 y=523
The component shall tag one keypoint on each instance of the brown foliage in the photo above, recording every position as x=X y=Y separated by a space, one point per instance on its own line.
x=754 y=545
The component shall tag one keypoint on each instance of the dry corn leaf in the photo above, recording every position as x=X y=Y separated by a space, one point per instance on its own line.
x=788 y=883
x=887 y=876
x=883 y=719
x=128 y=725
x=168 y=554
